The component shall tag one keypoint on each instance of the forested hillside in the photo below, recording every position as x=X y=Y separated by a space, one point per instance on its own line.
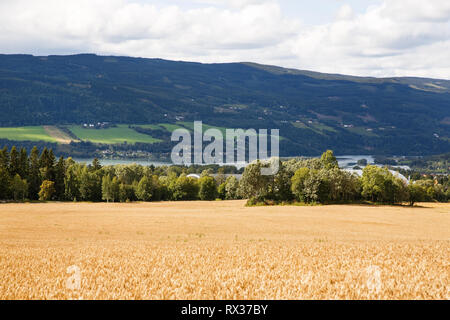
x=403 y=116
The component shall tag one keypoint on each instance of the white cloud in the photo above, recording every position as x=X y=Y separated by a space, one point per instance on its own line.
x=345 y=12
x=395 y=38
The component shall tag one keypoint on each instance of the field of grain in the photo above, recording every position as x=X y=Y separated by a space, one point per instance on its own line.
x=223 y=250
x=59 y=135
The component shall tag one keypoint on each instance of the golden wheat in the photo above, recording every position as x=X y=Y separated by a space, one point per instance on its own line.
x=223 y=250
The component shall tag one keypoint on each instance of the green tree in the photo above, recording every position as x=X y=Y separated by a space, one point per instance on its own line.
x=19 y=188
x=72 y=181
x=220 y=177
x=298 y=183
x=4 y=158
x=207 y=188
x=115 y=184
x=96 y=164
x=107 y=190
x=47 y=164
x=126 y=193
x=163 y=187
x=184 y=188
x=379 y=185
x=400 y=191
x=24 y=164
x=373 y=183
x=110 y=188
x=281 y=184
x=90 y=185
x=47 y=190
x=5 y=182
x=145 y=189
x=14 y=162
x=416 y=193
x=231 y=188
x=221 y=191
x=328 y=160
x=439 y=193
x=60 y=173
x=253 y=184
x=34 y=176
x=312 y=187
x=129 y=173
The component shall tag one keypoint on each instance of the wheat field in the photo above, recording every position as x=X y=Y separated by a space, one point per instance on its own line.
x=223 y=250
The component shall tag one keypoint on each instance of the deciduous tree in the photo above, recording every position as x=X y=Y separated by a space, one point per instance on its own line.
x=47 y=190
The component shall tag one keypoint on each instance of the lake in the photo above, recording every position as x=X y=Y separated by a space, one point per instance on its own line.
x=348 y=161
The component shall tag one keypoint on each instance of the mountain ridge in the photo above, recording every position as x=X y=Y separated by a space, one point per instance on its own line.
x=314 y=111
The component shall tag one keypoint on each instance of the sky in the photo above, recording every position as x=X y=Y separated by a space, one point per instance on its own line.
x=380 y=38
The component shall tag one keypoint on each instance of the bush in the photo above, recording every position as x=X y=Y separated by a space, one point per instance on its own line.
x=184 y=188
x=207 y=188
x=379 y=185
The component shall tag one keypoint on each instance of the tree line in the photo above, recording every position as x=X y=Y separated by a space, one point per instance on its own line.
x=40 y=176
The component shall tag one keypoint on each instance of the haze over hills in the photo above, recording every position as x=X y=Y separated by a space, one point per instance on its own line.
x=314 y=111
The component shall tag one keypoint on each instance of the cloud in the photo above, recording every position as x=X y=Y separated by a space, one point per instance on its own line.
x=345 y=12
x=231 y=3
x=394 y=38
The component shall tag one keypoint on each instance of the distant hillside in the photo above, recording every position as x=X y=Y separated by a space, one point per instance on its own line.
x=314 y=111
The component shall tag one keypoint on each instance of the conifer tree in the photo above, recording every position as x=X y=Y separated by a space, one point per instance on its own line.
x=24 y=164
x=47 y=163
x=34 y=176
x=14 y=163
x=4 y=158
x=60 y=172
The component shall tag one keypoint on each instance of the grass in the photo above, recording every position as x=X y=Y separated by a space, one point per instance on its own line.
x=119 y=134
x=319 y=128
x=148 y=126
x=190 y=126
x=362 y=131
x=160 y=126
x=31 y=133
x=115 y=135
x=223 y=250
x=170 y=127
x=323 y=127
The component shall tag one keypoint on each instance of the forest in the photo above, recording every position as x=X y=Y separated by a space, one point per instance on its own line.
x=314 y=111
x=39 y=176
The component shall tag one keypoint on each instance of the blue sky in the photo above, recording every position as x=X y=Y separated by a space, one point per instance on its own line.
x=359 y=37
x=311 y=12
x=317 y=12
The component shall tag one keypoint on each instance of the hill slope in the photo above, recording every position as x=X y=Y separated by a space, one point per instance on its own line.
x=313 y=111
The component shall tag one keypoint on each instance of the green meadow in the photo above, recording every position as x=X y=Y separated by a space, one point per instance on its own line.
x=160 y=126
x=120 y=134
x=115 y=135
x=32 y=133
